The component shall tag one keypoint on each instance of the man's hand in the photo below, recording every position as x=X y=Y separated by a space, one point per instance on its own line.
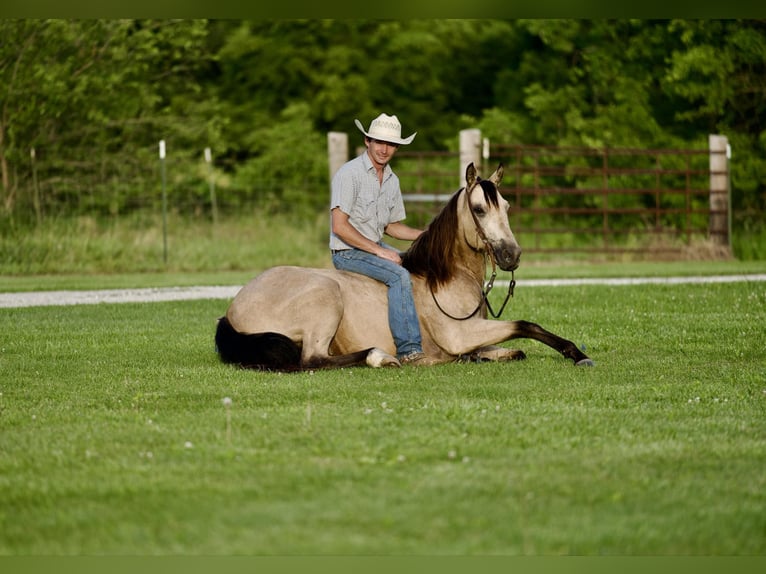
x=390 y=255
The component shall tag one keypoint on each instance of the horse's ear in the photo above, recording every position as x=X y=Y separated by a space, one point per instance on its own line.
x=470 y=176
x=497 y=177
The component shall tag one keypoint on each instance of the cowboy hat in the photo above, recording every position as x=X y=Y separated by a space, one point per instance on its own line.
x=387 y=129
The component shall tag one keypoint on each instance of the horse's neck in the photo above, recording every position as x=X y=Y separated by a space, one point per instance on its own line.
x=472 y=262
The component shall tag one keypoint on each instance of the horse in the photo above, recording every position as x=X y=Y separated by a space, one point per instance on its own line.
x=292 y=318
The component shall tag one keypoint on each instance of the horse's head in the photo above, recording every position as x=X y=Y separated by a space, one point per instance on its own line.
x=487 y=225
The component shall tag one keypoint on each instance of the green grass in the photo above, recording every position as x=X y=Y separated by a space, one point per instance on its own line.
x=115 y=440
x=88 y=246
x=561 y=268
x=129 y=252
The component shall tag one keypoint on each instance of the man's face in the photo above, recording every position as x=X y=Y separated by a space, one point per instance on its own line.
x=380 y=152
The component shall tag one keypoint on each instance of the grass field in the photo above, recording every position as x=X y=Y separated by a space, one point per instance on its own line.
x=251 y=240
x=116 y=439
x=562 y=268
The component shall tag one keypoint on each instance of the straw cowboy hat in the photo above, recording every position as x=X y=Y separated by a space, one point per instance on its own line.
x=387 y=129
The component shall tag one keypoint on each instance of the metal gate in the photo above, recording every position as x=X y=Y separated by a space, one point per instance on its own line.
x=576 y=199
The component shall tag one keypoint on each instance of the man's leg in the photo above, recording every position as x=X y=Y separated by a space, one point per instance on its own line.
x=402 y=317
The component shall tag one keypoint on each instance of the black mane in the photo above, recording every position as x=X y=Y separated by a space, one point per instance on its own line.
x=432 y=255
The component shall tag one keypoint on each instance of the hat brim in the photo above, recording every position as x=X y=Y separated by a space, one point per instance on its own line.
x=398 y=141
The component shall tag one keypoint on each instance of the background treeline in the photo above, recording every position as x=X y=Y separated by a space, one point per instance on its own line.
x=92 y=98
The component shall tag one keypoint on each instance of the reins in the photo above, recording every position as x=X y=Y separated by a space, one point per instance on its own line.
x=488 y=287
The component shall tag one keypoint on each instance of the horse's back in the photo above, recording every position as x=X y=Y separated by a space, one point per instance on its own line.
x=295 y=300
x=270 y=301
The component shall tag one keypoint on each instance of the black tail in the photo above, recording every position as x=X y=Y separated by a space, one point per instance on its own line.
x=263 y=351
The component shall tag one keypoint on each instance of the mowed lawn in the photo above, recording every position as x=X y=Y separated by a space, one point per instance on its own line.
x=115 y=437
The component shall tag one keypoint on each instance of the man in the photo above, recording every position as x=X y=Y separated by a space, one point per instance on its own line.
x=367 y=203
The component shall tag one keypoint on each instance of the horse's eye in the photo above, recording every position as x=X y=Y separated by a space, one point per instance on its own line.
x=479 y=211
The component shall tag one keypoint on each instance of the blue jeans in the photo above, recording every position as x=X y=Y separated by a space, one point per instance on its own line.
x=402 y=317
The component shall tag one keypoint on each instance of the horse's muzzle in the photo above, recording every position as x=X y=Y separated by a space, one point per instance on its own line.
x=507 y=256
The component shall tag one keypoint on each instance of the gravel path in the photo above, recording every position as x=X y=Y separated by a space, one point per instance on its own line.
x=48 y=298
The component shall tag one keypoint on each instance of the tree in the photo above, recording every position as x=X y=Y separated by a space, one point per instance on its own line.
x=717 y=77
x=288 y=171
x=93 y=97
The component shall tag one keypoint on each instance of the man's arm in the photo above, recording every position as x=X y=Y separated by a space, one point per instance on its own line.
x=341 y=226
x=399 y=230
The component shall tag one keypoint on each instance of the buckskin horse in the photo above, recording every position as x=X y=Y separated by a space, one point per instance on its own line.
x=296 y=318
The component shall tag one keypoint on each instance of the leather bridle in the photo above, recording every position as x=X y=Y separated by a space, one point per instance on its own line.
x=488 y=253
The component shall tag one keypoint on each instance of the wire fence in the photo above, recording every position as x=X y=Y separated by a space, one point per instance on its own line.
x=563 y=199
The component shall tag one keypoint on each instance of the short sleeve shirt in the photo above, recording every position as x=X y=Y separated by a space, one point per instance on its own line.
x=370 y=205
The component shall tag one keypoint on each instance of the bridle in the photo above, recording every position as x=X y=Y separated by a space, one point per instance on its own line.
x=488 y=253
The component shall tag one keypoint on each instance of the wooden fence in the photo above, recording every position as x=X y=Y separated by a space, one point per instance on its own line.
x=571 y=199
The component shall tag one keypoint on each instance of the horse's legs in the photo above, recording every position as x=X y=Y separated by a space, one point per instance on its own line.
x=468 y=337
x=493 y=353
x=318 y=334
x=527 y=330
x=372 y=357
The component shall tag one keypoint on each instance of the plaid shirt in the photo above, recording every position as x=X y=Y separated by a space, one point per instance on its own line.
x=369 y=205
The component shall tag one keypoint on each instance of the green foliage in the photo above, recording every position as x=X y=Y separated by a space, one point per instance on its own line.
x=116 y=439
x=289 y=159
x=93 y=98
x=719 y=72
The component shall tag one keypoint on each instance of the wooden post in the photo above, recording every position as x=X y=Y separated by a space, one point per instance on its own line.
x=718 y=229
x=470 y=152
x=337 y=151
x=36 y=189
x=164 y=205
x=211 y=183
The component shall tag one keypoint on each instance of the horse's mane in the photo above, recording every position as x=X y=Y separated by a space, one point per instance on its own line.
x=432 y=255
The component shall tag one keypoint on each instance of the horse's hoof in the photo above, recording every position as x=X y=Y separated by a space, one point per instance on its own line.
x=518 y=356
x=379 y=358
x=585 y=363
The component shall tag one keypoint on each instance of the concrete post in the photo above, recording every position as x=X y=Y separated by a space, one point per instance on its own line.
x=337 y=151
x=470 y=151
x=718 y=229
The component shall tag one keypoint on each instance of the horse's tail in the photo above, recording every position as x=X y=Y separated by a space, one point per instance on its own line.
x=263 y=351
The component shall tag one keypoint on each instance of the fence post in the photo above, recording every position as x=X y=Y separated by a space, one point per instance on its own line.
x=718 y=228
x=470 y=151
x=36 y=189
x=337 y=151
x=211 y=184
x=164 y=205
